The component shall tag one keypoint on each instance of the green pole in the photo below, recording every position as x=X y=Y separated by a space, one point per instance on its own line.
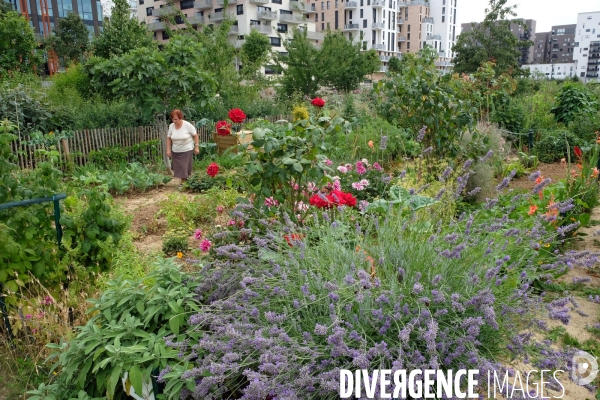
x=57 y=220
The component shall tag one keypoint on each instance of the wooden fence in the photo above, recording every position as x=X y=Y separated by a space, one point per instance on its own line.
x=77 y=149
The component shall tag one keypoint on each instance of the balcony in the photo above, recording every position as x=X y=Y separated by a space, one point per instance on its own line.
x=161 y=12
x=377 y=25
x=266 y=15
x=402 y=4
x=290 y=19
x=351 y=4
x=427 y=20
x=315 y=35
x=203 y=4
x=433 y=37
x=216 y=17
x=260 y=2
x=303 y=7
x=239 y=43
x=402 y=38
x=400 y=21
x=378 y=46
x=266 y=29
x=196 y=20
x=351 y=27
x=378 y=3
x=384 y=58
x=383 y=68
x=156 y=26
x=221 y=3
x=234 y=30
x=592 y=75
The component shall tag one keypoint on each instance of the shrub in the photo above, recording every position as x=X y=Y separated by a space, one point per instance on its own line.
x=509 y=115
x=554 y=145
x=573 y=100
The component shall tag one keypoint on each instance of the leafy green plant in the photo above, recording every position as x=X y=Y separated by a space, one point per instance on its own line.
x=125 y=334
x=554 y=145
x=516 y=166
x=175 y=241
x=572 y=100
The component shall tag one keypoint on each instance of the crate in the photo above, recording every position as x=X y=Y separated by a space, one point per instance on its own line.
x=225 y=142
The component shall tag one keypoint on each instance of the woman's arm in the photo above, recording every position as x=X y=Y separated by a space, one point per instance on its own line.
x=169 y=144
x=196 y=144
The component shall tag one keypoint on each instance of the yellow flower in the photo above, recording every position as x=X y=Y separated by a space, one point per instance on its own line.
x=547 y=245
x=179 y=254
x=424 y=97
x=300 y=113
x=50 y=133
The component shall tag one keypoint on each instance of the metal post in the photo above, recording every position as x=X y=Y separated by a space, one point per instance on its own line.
x=59 y=232
x=530 y=136
x=5 y=317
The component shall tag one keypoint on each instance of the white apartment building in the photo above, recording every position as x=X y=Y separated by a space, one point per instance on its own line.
x=587 y=46
x=269 y=17
x=443 y=13
x=554 y=71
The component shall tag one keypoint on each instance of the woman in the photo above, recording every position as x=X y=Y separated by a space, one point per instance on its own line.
x=182 y=143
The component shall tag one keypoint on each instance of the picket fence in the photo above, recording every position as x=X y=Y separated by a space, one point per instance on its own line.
x=76 y=149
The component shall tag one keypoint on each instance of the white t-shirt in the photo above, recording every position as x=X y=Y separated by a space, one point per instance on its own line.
x=182 y=138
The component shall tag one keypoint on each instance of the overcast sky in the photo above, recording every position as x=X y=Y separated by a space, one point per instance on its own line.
x=545 y=12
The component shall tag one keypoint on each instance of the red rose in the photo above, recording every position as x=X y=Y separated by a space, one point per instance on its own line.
x=335 y=198
x=237 y=115
x=318 y=102
x=212 y=169
x=577 y=151
x=319 y=202
x=223 y=128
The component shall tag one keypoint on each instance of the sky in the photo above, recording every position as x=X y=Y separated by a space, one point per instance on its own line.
x=545 y=12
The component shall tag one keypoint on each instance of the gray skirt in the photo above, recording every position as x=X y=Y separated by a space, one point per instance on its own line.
x=182 y=164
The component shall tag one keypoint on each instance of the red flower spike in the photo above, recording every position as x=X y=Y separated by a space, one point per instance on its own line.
x=212 y=170
x=577 y=151
x=318 y=102
x=223 y=128
x=236 y=115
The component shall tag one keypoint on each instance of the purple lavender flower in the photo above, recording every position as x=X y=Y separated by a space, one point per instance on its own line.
x=421 y=134
x=383 y=142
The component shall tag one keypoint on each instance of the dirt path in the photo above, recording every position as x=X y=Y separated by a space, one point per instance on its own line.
x=146 y=226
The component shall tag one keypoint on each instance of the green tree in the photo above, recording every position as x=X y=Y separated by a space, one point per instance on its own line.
x=254 y=52
x=17 y=44
x=394 y=64
x=121 y=33
x=5 y=7
x=301 y=66
x=70 y=40
x=574 y=100
x=344 y=64
x=492 y=40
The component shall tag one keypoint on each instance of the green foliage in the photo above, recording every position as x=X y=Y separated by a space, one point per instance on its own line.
x=75 y=77
x=573 y=100
x=420 y=96
x=125 y=334
x=70 y=40
x=157 y=81
x=509 y=114
x=394 y=64
x=555 y=145
x=115 y=156
x=254 y=52
x=492 y=40
x=124 y=178
x=28 y=110
x=290 y=154
x=585 y=126
x=121 y=33
x=28 y=238
x=89 y=225
x=175 y=241
x=17 y=44
x=343 y=63
x=301 y=66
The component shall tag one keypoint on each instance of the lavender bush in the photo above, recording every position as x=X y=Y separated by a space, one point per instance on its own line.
x=348 y=291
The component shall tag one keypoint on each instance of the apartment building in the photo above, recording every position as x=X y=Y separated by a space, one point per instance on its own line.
x=273 y=18
x=90 y=12
x=554 y=70
x=444 y=14
x=556 y=46
x=587 y=45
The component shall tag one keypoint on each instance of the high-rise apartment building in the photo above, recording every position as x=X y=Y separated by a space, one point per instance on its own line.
x=587 y=45
x=269 y=17
x=39 y=11
x=556 y=46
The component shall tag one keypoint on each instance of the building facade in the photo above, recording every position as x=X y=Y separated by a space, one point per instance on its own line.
x=587 y=45
x=275 y=19
x=553 y=70
x=44 y=14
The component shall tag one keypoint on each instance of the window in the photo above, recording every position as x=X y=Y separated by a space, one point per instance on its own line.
x=322 y=5
x=364 y=22
x=185 y=4
x=408 y=45
x=275 y=41
x=328 y=5
x=409 y=28
x=361 y=13
x=408 y=37
x=178 y=19
x=254 y=22
x=589 y=17
x=141 y=1
x=361 y=3
x=272 y=70
x=322 y=26
x=149 y=11
x=322 y=16
x=443 y=18
x=316 y=17
x=276 y=1
x=336 y=3
x=587 y=30
x=240 y=9
x=282 y=28
x=443 y=10
x=165 y=35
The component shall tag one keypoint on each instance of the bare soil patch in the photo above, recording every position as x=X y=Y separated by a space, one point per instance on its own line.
x=553 y=171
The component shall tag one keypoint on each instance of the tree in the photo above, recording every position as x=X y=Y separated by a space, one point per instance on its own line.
x=70 y=39
x=301 y=65
x=5 y=7
x=17 y=44
x=394 y=64
x=492 y=40
x=121 y=33
x=344 y=64
x=254 y=52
